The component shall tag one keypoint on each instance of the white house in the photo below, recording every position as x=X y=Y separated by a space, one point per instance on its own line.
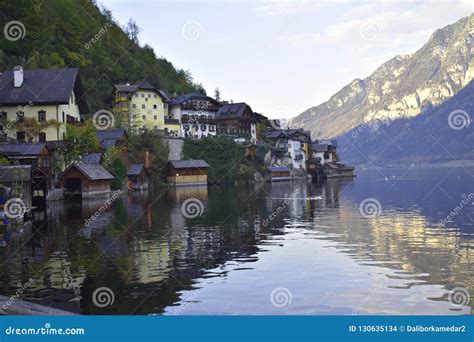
x=196 y=114
x=53 y=97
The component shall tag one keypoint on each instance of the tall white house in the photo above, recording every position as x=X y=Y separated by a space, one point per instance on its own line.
x=52 y=97
x=196 y=114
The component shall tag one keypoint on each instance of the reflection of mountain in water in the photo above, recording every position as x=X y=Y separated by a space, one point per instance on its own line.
x=148 y=252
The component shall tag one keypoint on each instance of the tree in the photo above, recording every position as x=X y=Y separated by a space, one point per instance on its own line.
x=80 y=140
x=132 y=30
x=217 y=94
x=33 y=127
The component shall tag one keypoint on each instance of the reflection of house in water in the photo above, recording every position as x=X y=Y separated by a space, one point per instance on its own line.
x=332 y=189
x=151 y=261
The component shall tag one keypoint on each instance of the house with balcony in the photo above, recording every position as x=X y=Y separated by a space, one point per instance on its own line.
x=324 y=151
x=237 y=120
x=194 y=115
x=141 y=106
x=290 y=146
x=44 y=98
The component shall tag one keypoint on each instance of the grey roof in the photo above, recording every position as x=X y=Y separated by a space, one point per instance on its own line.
x=134 y=169
x=91 y=158
x=278 y=169
x=191 y=96
x=91 y=171
x=145 y=85
x=22 y=149
x=275 y=133
x=109 y=137
x=43 y=86
x=15 y=173
x=233 y=110
x=320 y=147
x=327 y=142
x=189 y=164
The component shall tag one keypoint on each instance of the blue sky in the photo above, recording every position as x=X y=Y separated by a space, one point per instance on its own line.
x=282 y=57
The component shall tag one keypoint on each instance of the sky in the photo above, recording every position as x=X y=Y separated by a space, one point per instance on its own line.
x=283 y=57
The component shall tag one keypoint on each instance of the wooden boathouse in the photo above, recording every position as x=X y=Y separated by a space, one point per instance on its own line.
x=278 y=174
x=187 y=172
x=86 y=181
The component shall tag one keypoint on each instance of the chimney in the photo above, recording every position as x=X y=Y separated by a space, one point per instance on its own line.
x=17 y=76
x=146 y=161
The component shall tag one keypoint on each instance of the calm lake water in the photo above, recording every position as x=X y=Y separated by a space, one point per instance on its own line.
x=284 y=248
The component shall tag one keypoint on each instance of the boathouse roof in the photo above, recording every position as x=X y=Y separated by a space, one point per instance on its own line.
x=278 y=169
x=189 y=164
x=22 y=149
x=92 y=172
x=91 y=158
x=135 y=169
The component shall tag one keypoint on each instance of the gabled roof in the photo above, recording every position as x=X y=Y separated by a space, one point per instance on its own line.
x=15 y=173
x=178 y=100
x=91 y=158
x=22 y=149
x=43 y=86
x=143 y=85
x=135 y=169
x=189 y=164
x=327 y=142
x=320 y=147
x=109 y=137
x=92 y=172
x=278 y=169
x=234 y=110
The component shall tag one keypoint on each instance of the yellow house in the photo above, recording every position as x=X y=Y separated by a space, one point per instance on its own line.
x=53 y=97
x=141 y=106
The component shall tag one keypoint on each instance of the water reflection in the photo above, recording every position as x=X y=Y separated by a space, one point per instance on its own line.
x=249 y=240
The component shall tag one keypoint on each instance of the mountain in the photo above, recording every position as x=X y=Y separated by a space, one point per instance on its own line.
x=402 y=87
x=77 y=33
x=440 y=134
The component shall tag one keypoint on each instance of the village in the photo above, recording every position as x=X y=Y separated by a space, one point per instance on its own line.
x=52 y=148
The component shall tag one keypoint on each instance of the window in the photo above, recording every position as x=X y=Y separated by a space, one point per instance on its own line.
x=46 y=162
x=149 y=95
x=42 y=137
x=3 y=115
x=41 y=115
x=134 y=105
x=143 y=95
x=156 y=127
x=146 y=99
x=155 y=96
x=20 y=136
x=154 y=106
x=63 y=117
x=155 y=117
x=136 y=95
x=20 y=115
x=144 y=117
x=134 y=116
x=143 y=106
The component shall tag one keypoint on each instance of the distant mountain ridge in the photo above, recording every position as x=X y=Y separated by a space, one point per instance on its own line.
x=441 y=134
x=402 y=87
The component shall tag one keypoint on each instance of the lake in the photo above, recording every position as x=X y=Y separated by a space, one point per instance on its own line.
x=386 y=242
